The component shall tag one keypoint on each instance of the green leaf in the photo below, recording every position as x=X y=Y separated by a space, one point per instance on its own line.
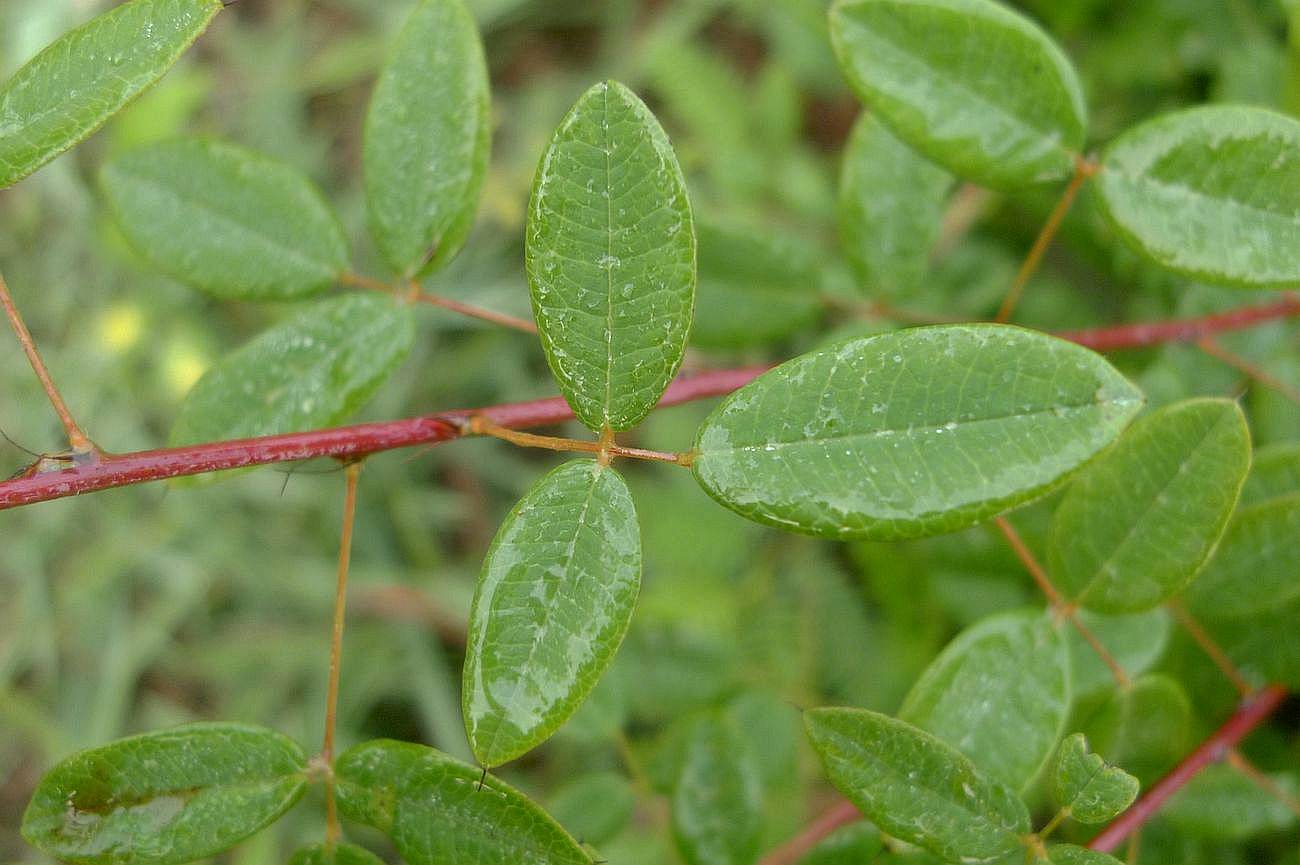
x=1254 y=569
x=552 y=607
x=1145 y=728
x=979 y=89
x=313 y=370
x=224 y=219
x=999 y=693
x=854 y=844
x=890 y=209
x=1138 y=524
x=439 y=811
x=86 y=76
x=1069 y=854
x=427 y=138
x=1274 y=472
x=717 y=803
x=1135 y=641
x=339 y=853
x=165 y=797
x=595 y=807
x=915 y=787
x=911 y=433
x=1221 y=803
x=1091 y=790
x=1211 y=192
x=610 y=253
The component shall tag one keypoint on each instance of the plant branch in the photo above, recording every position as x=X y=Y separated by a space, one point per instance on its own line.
x=1141 y=335
x=1211 y=648
x=1252 y=712
x=840 y=814
x=418 y=295
x=77 y=439
x=332 y=831
x=1215 y=349
x=481 y=425
x=1249 y=770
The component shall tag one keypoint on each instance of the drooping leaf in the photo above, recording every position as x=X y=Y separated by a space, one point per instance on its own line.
x=1138 y=524
x=439 y=811
x=999 y=693
x=610 y=253
x=552 y=606
x=717 y=803
x=1135 y=642
x=915 y=787
x=226 y=220
x=890 y=208
x=976 y=87
x=1275 y=471
x=1254 y=569
x=1092 y=790
x=427 y=138
x=853 y=844
x=339 y=853
x=594 y=807
x=86 y=76
x=1145 y=728
x=911 y=433
x=165 y=797
x=311 y=371
x=1210 y=192
x=1221 y=803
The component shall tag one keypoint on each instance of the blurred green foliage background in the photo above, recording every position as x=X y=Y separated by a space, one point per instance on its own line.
x=143 y=607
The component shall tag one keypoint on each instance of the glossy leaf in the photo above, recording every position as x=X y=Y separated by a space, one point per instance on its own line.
x=890 y=209
x=86 y=76
x=165 y=797
x=1211 y=192
x=717 y=803
x=1221 y=803
x=226 y=220
x=552 y=606
x=911 y=433
x=1083 y=783
x=1254 y=569
x=1139 y=523
x=976 y=87
x=427 y=137
x=1274 y=472
x=610 y=253
x=915 y=787
x=439 y=811
x=340 y=853
x=313 y=370
x=999 y=693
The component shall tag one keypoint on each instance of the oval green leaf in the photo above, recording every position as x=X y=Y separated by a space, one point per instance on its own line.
x=1092 y=790
x=999 y=693
x=610 y=253
x=890 y=209
x=86 y=76
x=977 y=88
x=552 y=606
x=1254 y=570
x=166 y=797
x=1139 y=523
x=439 y=811
x=916 y=787
x=1223 y=804
x=311 y=371
x=1274 y=472
x=1210 y=192
x=1071 y=854
x=717 y=803
x=339 y=853
x=224 y=219
x=911 y=433
x=427 y=138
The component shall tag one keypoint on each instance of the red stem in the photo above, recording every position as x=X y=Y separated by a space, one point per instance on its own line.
x=1252 y=712
x=1182 y=330
x=840 y=814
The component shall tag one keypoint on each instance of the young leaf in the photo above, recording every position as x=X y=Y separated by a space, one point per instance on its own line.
x=339 y=853
x=610 y=253
x=915 y=787
x=86 y=76
x=165 y=797
x=1138 y=524
x=1254 y=569
x=890 y=209
x=439 y=811
x=717 y=804
x=427 y=138
x=1091 y=790
x=311 y=371
x=911 y=433
x=552 y=606
x=226 y=220
x=976 y=87
x=999 y=693
x=1211 y=192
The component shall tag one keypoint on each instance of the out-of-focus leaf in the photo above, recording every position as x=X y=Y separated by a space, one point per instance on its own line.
x=552 y=607
x=339 y=853
x=717 y=803
x=86 y=76
x=1135 y=641
x=978 y=88
x=1083 y=783
x=911 y=433
x=1274 y=472
x=854 y=844
x=1144 y=729
x=1224 y=804
x=610 y=253
x=226 y=220
x=1254 y=569
x=594 y=807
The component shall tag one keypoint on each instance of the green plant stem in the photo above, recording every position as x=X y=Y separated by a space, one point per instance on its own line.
x=414 y=294
x=605 y=448
x=332 y=830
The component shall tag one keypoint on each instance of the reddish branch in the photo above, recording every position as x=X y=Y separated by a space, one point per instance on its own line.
x=1183 y=330
x=840 y=814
